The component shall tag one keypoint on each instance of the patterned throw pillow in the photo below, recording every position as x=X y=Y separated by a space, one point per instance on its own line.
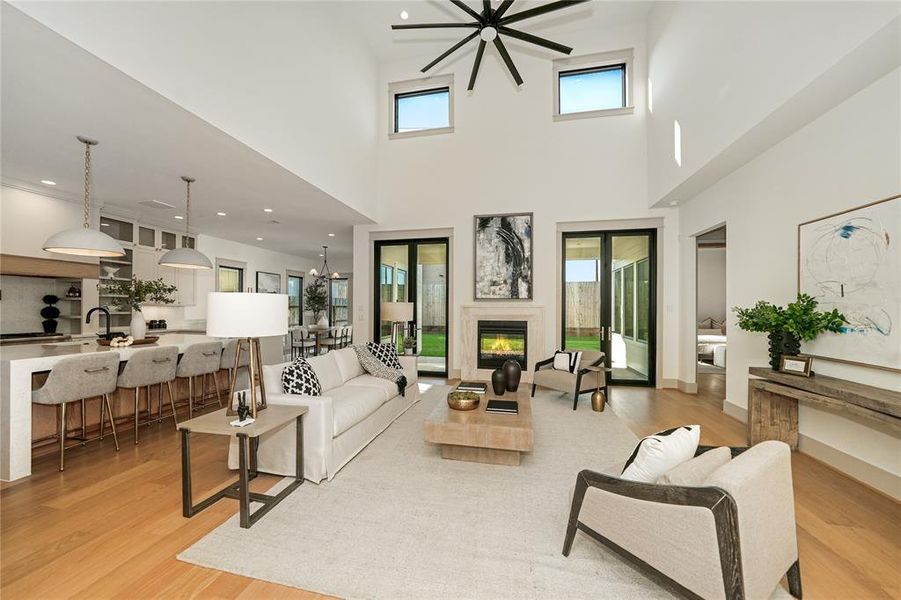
x=299 y=378
x=387 y=353
x=567 y=361
x=656 y=454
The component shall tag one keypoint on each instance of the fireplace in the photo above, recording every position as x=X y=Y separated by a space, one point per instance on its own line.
x=500 y=341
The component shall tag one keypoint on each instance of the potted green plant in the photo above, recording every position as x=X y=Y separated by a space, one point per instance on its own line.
x=410 y=344
x=315 y=296
x=133 y=293
x=787 y=327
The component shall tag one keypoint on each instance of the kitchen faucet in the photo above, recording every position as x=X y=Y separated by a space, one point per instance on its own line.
x=104 y=310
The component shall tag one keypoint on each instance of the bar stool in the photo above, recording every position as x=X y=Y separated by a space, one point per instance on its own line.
x=77 y=378
x=145 y=368
x=301 y=341
x=200 y=360
x=228 y=360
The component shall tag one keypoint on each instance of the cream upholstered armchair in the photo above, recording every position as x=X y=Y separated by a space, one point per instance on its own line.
x=581 y=381
x=732 y=537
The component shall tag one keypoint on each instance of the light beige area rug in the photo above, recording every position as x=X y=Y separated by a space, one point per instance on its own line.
x=401 y=522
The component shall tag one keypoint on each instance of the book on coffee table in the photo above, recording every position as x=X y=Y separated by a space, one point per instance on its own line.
x=472 y=386
x=510 y=407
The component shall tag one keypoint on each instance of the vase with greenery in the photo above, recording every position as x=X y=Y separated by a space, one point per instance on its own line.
x=409 y=344
x=787 y=327
x=315 y=296
x=133 y=293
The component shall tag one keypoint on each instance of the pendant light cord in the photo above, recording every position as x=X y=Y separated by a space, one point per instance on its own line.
x=87 y=185
x=188 y=181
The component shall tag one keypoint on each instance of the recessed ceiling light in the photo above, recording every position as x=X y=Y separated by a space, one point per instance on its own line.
x=674 y=203
x=320 y=256
x=267 y=210
x=259 y=239
x=221 y=214
x=404 y=15
x=179 y=217
x=331 y=235
x=48 y=182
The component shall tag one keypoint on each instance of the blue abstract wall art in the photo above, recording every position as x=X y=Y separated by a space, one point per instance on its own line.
x=852 y=261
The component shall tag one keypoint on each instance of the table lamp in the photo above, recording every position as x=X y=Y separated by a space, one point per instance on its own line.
x=248 y=317
x=398 y=313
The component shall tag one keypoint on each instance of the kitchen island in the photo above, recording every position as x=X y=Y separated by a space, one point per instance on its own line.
x=18 y=365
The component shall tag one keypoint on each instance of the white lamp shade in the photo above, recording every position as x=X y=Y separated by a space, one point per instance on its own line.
x=83 y=241
x=397 y=311
x=185 y=258
x=246 y=315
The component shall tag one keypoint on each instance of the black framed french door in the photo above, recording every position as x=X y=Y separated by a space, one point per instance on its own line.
x=415 y=271
x=609 y=296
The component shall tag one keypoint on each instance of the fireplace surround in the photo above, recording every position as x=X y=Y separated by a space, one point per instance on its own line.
x=500 y=341
x=471 y=314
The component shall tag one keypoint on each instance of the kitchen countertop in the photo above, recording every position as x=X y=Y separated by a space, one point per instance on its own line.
x=42 y=356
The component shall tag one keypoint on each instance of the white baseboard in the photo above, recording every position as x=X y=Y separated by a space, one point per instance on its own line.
x=867 y=474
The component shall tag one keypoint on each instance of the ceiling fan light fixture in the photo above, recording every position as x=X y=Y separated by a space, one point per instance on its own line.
x=488 y=33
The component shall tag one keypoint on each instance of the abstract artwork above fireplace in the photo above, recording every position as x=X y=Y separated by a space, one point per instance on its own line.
x=500 y=341
x=503 y=257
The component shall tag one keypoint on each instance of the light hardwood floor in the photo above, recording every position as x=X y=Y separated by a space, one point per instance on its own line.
x=111 y=525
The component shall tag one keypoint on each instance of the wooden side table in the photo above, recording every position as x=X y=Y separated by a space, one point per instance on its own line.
x=217 y=423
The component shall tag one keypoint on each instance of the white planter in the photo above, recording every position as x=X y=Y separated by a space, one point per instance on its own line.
x=138 y=329
x=323 y=321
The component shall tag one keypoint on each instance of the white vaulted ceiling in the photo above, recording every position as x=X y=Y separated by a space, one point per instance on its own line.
x=54 y=90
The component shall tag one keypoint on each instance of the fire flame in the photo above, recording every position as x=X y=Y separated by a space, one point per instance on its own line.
x=501 y=344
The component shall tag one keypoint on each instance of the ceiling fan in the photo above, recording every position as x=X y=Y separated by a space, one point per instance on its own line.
x=490 y=25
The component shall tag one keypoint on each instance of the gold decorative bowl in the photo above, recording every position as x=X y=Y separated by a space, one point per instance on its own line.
x=462 y=400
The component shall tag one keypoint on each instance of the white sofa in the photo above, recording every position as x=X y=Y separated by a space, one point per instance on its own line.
x=353 y=409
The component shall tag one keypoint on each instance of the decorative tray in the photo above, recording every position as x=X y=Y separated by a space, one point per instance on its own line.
x=141 y=342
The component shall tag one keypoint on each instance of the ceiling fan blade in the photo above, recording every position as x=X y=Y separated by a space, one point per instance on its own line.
x=471 y=12
x=486 y=8
x=450 y=51
x=432 y=25
x=502 y=9
x=534 y=39
x=475 y=65
x=502 y=50
x=539 y=10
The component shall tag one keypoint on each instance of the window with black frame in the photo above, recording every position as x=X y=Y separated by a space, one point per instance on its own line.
x=422 y=110
x=295 y=300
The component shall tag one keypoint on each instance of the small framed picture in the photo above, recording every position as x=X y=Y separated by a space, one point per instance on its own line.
x=796 y=365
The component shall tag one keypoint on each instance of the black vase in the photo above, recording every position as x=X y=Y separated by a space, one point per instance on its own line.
x=512 y=373
x=498 y=382
x=49 y=325
x=782 y=343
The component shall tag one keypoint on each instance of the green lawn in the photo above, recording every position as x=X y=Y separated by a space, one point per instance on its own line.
x=433 y=344
x=583 y=342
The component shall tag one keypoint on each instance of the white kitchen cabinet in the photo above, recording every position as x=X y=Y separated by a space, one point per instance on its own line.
x=187 y=283
x=146 y=266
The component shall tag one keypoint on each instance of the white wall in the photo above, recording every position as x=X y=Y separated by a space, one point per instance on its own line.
x=28 y=219
x=287 y=79
x=508 y=155
x=848 y=157
x=711 y=284
x=721 y=67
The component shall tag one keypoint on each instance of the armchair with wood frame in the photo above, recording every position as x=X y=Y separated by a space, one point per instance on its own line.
x=580 y=382
x=734 y=537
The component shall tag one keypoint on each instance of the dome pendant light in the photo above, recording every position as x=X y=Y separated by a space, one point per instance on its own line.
x=184 y=257
x=85 y=241
x=324 y=272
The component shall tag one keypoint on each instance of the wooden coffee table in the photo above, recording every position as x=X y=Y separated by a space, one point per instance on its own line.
x=477 y=436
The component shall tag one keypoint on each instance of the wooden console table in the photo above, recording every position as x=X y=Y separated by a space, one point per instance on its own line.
x=773 y=399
